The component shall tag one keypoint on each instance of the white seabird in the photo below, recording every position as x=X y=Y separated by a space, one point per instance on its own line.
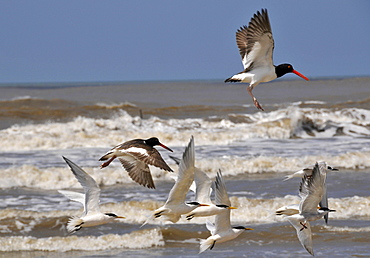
x=203 y=192
x=311 y=192
x=92 y=215
x=175 y=205
x=221 y=230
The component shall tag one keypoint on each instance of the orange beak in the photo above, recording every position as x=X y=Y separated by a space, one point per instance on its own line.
x=300 y=75
x=164 y=146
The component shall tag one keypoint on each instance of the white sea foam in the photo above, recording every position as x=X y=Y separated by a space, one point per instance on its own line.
x=280 y=124
x=61 y=177
x=137 y=239
x=249 y=211
x=347 y=229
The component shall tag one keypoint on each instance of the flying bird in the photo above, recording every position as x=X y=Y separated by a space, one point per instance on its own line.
x=256 y=46
x=294 y=208
x=92 y=215
x=203 y=192
x=311 y=192
x=135 y=156
x=175 y=205
x=221 y=230
x=305 y=171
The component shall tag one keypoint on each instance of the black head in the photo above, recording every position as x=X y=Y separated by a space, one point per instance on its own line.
x=239 y=227
x=332 y=169
x=283 y=69
x=222 y=206
x=326 y=209
x=193 y=203
x=111 y=215
x=154 y=141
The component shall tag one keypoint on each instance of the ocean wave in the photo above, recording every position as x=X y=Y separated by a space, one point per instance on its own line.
x=249 y=210
x=34 y=176
x=287 y=123
x=138 y=239
x=60 y=177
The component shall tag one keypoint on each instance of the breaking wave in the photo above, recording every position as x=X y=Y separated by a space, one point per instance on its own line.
x=287 y=123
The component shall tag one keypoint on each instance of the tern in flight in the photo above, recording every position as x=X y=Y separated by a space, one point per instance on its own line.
x=175 y=205
x=311 y=191
x=256 y=46
x=92 y=215
x=221 y=230
x=203 y=192
x=135 y=156
x=294 y=208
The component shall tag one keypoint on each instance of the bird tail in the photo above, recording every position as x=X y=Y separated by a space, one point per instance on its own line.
x=205 y=244
x=74 y=224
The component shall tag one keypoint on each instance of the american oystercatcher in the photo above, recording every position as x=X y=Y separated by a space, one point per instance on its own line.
x=256 y=44
x=135 y=156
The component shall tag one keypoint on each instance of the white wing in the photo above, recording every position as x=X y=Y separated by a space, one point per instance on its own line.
x=222 y=220
x=211 y=227
x=185 y=176
x=202 y=186
x=91 y=188
x=74 y=196
x=304 y=235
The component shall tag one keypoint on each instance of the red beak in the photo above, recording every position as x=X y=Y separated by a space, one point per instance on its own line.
x=164 y=146
x=300 y=75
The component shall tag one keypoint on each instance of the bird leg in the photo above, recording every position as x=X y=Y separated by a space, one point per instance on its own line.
x=303 y=226
x=105 y=164
x=255 y=101
x=158 y=214
x=189 y=217
x=213 y=245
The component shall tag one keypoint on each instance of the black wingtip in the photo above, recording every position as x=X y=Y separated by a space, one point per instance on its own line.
x=232 y=80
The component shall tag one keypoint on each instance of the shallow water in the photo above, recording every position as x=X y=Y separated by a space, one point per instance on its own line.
x=304 y=122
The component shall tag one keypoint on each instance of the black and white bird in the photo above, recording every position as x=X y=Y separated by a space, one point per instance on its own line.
x=311 y=191
x=256 y=46
x=175 y=205
x=203 y=192
x=92 y=215
x=294 y=208
x=135 y=156
x=221 y=230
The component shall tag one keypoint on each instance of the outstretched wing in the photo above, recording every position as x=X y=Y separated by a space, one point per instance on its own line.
x=91 y=188
x=304 y=235
x=255 y=41
x=185 y=176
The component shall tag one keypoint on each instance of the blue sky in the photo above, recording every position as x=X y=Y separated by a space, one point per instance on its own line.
x=72 y=40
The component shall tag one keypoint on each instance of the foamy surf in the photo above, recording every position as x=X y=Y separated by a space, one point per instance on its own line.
x=249 y=211
x=61 y=178
x=286 y=123
x=135 y=240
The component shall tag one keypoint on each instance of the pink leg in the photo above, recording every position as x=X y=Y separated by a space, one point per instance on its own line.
x=105 y=164
x=255 y=101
